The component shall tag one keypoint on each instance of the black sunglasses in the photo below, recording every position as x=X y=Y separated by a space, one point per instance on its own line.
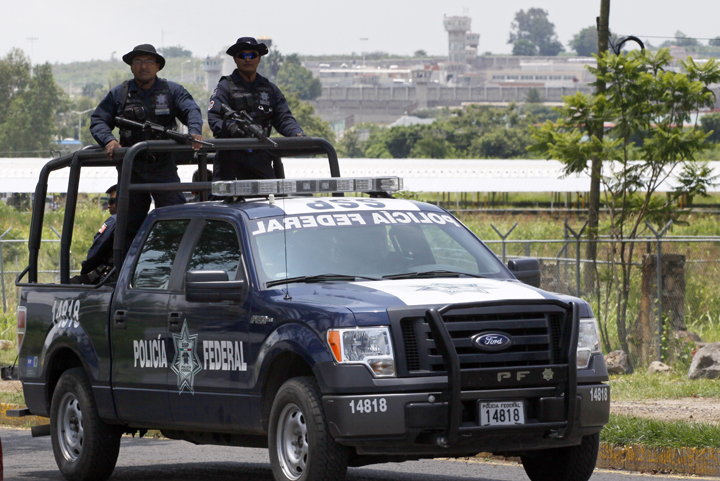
x=247 y=55
x=112 y=200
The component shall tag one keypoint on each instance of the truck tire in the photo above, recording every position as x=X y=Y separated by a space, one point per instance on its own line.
x=574 y=463
x=301 y=448
x=85 y=447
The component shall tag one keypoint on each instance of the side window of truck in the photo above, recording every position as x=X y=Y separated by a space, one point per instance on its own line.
x=217 y=249
x=158 y=254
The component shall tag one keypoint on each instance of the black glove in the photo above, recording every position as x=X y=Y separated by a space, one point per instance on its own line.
x=234 y=130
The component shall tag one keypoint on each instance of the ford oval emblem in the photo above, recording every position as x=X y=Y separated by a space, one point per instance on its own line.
x=492 y=341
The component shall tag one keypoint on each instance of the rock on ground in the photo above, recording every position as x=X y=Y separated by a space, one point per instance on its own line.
x=617 y=363
x=659 y=367
x=706 y=362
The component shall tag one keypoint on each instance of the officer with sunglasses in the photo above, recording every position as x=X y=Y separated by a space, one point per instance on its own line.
x=146 y=97
x=100 y=256
x=247 y=90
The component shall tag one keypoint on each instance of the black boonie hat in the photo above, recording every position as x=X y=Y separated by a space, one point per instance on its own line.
x=247 y=43
x=144 y=49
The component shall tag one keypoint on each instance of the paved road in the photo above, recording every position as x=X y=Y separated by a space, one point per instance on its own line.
x=30 y=459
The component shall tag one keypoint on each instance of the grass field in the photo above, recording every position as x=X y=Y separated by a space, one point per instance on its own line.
x=626 y=430
x=640 y=385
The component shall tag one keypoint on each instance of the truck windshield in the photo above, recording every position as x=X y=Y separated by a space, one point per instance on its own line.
x=368 y=244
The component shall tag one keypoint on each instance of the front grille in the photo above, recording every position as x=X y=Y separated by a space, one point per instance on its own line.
x=537 y=334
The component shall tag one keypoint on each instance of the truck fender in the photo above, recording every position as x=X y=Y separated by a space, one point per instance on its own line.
x=71 y=347
x=293 y=337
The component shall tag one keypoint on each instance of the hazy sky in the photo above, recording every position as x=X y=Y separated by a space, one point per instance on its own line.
x=93 y=29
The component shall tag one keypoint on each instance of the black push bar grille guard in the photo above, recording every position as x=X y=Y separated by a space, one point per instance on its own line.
x=451 y=363
x=95 y=157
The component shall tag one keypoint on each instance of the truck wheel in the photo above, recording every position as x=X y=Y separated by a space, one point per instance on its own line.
x=85 y=447
x=574 y=463
x=301 y=448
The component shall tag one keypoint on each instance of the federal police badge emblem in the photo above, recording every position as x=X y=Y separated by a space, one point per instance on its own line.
x=161 y=100
x=265 y=98
x=186 y=363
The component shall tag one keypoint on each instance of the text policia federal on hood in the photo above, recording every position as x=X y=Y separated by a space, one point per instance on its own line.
x=264 y=226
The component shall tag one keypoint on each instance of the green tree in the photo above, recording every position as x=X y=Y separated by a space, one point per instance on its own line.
x=420 y=54
x=293 y=78
x=501 y=144
x=535 y=27
x=89 y=89
x=350 y=146
x=714 y=42
x=270 y=64
x=175 y=52
x=711 y=125
x=533 y=96
x=14 y=79
x=30 y=121
x=433 y=146
x=682 y=40
x=312 y=125
x=643 y=100
x=115 y=77
x=585 y=42
x=524 y=48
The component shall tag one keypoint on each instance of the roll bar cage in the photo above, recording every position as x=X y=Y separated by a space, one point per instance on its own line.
x=95 y=157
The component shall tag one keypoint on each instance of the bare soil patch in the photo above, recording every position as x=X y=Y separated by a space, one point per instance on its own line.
x=699 y=410
x=10 y=386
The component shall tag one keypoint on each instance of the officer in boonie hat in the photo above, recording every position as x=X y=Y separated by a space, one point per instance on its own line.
x=144 y=49
x=247 y=43
x=146 y=97
x=247 y=90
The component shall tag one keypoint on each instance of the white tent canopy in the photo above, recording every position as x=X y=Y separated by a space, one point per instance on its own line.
x=420 y=175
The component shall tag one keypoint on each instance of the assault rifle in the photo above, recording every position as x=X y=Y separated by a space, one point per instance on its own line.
x=160 y=131
x=246 y=124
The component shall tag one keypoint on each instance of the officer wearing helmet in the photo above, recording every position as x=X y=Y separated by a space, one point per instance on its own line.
x=247 y=90
x=146 y=97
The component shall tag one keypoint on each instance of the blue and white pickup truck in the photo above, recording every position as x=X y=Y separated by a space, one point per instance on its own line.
x=335 y=331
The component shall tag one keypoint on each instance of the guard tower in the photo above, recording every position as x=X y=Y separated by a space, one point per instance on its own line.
x=457 y=28
x=266 y=40
x=213 y=71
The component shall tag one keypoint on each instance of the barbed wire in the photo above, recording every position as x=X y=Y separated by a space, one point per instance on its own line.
x=673 y=37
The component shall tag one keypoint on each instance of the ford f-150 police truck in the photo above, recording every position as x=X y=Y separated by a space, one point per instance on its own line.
x=335 y=331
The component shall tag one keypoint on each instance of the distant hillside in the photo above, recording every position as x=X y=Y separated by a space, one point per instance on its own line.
x=106 y=73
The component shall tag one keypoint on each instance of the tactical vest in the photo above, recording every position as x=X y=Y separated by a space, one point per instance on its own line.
x=261 y=111
x=158 y=108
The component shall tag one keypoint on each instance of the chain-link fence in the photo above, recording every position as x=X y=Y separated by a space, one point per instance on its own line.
x=13 y=259
x=652 y=311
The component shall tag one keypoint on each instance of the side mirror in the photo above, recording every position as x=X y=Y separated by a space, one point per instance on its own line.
x=212 y=286
x=526 y=270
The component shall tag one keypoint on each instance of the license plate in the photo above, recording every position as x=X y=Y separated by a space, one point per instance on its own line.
x=502 y=413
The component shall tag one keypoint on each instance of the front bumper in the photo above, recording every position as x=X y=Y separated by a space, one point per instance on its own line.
x=411 y=424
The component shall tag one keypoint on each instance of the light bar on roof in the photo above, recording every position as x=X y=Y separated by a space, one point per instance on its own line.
x=305 y=186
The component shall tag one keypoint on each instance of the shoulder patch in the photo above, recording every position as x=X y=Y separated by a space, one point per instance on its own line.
x=102 y=229
x=212 y=103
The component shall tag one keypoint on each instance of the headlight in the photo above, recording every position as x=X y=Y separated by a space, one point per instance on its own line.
x=588 y=342
x=370 y=346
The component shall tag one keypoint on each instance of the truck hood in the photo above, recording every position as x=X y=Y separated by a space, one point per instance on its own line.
x=369 y=300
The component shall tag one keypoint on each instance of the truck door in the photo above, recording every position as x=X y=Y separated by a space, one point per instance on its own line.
x=141 y=346
x=209 y=391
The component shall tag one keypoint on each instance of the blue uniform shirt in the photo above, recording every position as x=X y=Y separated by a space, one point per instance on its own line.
x=234 y=164
x=103 y=119
x=282 y=119
x=102 y=247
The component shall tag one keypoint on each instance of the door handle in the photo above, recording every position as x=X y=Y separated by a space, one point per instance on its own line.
x=120 y=317
x=174 y=321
